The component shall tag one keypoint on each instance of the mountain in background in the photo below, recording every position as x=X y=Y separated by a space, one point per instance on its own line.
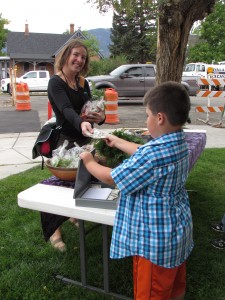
x=103 y=37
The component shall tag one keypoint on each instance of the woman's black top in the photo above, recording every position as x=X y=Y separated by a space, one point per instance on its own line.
x=67 y=104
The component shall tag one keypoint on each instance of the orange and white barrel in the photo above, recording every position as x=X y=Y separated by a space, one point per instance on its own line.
x=22 y=97
x=111 y=106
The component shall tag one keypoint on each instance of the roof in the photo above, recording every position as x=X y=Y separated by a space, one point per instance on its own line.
x=39 y=46
x=34 y=45
x=78 y=34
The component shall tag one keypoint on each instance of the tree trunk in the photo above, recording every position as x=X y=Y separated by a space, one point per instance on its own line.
x=176 y=18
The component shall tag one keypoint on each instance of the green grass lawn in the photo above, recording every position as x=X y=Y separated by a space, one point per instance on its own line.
x=28 y=265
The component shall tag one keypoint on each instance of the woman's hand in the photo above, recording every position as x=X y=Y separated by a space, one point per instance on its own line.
x=86 y=128
x=95 y=117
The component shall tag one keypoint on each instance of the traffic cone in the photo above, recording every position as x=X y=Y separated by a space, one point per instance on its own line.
x=22 y=97
x=111 y=106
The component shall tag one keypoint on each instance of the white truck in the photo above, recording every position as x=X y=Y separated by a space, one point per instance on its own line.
x=37 y=81
x=204 y=70
x=194 y=71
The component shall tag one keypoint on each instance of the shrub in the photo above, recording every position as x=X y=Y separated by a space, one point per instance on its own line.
x=106 y=65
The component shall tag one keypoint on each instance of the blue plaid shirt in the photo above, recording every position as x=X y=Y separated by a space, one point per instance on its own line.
x=153 y=218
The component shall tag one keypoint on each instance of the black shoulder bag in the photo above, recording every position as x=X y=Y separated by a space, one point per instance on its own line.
x=46 y=141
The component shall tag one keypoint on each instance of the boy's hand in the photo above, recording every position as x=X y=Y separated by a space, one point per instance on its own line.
x=86 y=157
x=121 y=144
x=111 y=140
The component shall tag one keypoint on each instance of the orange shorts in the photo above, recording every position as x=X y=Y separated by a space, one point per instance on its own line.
x=152 y=282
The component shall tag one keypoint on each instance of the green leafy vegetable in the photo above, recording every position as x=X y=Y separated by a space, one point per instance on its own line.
x=62 y=163
x=115 y=156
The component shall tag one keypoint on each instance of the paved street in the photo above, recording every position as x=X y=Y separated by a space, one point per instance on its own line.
x=16 y=144
x=130 y=113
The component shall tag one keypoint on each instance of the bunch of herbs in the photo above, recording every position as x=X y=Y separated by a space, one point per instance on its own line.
x=114 y=156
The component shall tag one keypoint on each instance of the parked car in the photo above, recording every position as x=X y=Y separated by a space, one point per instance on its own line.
x=36 y=81
x=133 y=80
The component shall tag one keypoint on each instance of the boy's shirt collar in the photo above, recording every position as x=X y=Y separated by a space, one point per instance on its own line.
x=167 y=137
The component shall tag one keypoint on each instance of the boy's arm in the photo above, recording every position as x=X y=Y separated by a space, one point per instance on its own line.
x=121 y=144
x=100 y=172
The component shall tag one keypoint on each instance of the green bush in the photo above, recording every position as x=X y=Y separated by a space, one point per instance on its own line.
x=106 y=65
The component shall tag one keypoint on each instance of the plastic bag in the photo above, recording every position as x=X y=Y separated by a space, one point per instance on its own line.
x=61 y=157
x=92 y=106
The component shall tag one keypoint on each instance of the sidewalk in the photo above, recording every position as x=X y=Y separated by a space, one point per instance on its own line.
x=15 y=153
x=16 y=148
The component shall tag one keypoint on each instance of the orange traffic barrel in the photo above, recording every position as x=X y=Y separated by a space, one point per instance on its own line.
x=22 y=97
x=111 y=106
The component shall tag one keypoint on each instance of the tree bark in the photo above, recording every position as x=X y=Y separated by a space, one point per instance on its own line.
x=176 y=17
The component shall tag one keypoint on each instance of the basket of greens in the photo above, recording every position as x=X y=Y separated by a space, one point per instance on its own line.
x=64 y=163
x=62 y=173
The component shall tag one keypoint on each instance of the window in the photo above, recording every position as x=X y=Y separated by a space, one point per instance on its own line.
x=135 y=72
x=190 y=68
x=42 y=75
x=200 y=68
x=32 y=75
x=150 y=72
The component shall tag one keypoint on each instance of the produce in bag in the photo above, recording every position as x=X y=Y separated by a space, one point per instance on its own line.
x=61 y=157
x=92 y=106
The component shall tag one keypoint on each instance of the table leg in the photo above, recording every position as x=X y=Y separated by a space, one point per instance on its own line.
x=83 y=267
x=105 y=257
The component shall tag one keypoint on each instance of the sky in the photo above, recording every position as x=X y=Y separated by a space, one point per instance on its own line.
x=53 y=16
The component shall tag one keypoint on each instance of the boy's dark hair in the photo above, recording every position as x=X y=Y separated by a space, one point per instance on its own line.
x=170 y=98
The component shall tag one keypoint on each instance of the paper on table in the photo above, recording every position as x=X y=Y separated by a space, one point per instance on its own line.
x=99 y=193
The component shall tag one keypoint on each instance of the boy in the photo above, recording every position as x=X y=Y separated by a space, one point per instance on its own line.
x=153 y=221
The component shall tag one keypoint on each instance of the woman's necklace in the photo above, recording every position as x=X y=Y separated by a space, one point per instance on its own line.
x=72 y=84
